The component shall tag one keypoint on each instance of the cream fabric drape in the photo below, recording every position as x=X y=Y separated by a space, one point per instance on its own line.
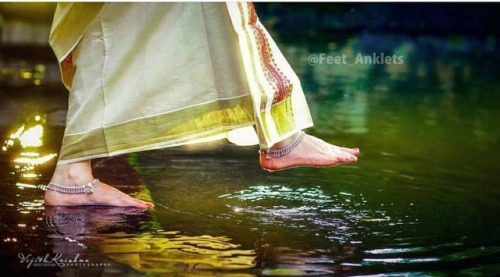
x=150 y=75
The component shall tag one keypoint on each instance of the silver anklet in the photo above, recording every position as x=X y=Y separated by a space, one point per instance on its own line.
x=285 y=150
x=88 y=188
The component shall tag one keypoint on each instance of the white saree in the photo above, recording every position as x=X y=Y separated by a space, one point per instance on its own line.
x=144 y=76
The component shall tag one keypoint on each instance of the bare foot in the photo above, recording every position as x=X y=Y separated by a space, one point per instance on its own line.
x=80 y=173
x=312 y=152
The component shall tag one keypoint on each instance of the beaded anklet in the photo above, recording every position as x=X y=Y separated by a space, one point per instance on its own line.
x=88 y=188
x=285 y=150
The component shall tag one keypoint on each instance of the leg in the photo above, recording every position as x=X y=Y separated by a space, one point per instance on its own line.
x=311 y=151
x=79 y=173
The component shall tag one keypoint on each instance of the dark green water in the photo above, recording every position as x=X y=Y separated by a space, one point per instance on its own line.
x=422 y=200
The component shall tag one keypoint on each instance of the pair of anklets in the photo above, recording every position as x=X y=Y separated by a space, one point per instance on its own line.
x=285 y=150
x=88 y=188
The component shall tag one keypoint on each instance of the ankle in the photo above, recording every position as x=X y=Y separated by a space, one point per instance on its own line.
x=73 y=174
x=284 y=143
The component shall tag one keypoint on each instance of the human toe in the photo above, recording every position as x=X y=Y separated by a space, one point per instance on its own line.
x=353 y=151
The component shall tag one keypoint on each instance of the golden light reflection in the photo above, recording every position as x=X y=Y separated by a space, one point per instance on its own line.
x=22 y=185
x=156 y=254
x=30 y=154
x=26 y=136
x=35 y=160
x=32 y=137
x=26 y=142
x=30 y=175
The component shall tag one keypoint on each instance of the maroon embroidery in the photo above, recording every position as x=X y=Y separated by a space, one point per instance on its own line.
x=276 y=78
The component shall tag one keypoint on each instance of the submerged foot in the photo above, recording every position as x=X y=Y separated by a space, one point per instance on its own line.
x=78 y=174
x=312 y=152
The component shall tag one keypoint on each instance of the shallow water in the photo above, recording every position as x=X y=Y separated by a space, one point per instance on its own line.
x=422 y=200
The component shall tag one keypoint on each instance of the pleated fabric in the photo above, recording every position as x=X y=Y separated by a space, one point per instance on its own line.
x=145 y=76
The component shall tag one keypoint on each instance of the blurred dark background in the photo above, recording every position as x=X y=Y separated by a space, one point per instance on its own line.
x=409 y=18
x=26 y=59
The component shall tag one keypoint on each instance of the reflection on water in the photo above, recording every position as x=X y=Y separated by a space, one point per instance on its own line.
x=107 y=234
x=423 y=198
x=27 y=143
x=196 y=254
